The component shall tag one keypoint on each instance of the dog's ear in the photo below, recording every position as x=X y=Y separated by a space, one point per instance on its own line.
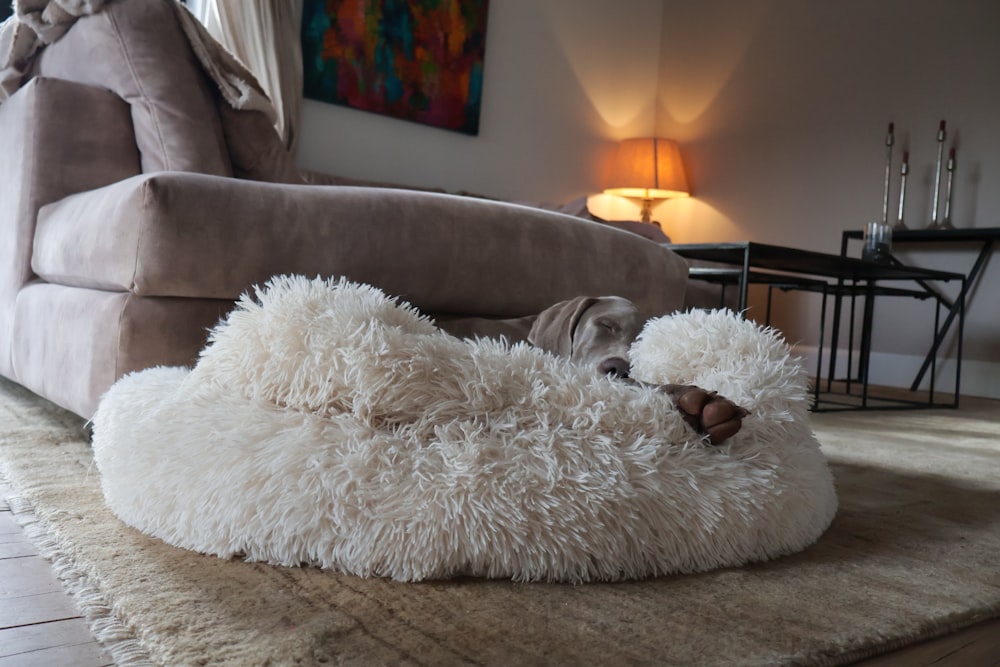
x=554 y=328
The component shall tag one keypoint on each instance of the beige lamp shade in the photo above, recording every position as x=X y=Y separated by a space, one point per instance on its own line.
x=647 y=168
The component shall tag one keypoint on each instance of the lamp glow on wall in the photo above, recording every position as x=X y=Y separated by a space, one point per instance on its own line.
x=647 y=168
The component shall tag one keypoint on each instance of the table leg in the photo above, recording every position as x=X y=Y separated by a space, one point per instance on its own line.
x=744 y=281
x=969 y=280
x=961 y=337
x=819 y=351
x=937 y=324
x=867 y=324
x=835 y=333
x=849 y=374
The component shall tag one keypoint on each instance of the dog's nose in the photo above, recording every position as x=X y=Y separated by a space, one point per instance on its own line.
x=613 y=366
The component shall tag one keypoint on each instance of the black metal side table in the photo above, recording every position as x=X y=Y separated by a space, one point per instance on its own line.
x=985 y=237
x=836 y=275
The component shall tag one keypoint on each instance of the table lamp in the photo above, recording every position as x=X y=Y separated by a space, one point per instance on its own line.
x=647 y=168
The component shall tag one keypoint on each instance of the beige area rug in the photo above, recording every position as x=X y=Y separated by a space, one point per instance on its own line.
x=912 y=554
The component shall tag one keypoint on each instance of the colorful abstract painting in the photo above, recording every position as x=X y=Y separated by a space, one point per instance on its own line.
x=419 y=60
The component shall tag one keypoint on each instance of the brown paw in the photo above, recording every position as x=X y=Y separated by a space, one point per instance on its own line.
x=706 y=411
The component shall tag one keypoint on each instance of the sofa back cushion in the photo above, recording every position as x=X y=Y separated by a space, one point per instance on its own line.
x=255 y=149
x=47 y=157
x=137 y=49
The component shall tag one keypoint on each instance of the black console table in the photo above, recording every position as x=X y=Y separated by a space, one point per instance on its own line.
x=837 y=275
x=985 y=237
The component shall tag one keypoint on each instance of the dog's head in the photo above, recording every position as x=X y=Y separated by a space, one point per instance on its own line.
x=594 y=331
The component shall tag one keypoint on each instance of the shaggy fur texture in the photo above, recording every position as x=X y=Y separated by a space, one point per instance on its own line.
x=327 y=424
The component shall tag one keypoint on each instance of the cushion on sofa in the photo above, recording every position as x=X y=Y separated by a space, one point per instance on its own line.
x=121 y=48
x=255 y=149
x=191 y=235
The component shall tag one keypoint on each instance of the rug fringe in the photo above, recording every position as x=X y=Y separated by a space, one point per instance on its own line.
x=105 y=626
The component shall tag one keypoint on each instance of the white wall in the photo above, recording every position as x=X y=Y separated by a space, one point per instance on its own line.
x=782 y=107
x=562 y=80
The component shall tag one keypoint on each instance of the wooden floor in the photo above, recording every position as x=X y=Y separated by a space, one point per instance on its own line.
x=41 y=627
x=975 y=646
x=39 y=623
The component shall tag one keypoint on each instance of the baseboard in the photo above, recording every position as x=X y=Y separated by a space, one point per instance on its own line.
x=979 y=378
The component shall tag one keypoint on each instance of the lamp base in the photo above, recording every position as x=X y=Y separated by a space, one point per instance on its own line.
x=647 y=213
x=647 y=210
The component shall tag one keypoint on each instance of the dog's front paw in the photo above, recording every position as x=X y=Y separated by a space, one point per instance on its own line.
x=706 y=411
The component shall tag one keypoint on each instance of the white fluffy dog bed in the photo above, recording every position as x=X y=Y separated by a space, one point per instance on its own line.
x=327 y=424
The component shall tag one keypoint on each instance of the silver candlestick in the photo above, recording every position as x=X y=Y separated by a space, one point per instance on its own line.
x=937 y=176
x=903 y=171
x=946 y=223
x=889 y=141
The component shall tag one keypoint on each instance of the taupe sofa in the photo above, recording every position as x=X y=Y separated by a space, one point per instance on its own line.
x=129 y=223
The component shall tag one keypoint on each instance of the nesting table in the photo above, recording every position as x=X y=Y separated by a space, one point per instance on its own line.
x=982 y=239
x=843 y=279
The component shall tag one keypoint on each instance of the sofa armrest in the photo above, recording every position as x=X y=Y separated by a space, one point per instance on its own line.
x=193 y=235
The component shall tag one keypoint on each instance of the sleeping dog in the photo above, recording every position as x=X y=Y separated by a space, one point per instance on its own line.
x=598 y=331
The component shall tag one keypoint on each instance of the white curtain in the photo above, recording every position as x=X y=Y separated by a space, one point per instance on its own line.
x=264 y=35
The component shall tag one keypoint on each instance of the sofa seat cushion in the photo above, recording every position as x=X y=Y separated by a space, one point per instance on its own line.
x=193 y=235
x=70 y=344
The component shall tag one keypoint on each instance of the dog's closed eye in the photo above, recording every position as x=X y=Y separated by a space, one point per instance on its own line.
x=606 y=324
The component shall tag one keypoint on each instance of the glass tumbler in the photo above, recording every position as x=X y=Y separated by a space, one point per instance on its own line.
x=877 y=243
